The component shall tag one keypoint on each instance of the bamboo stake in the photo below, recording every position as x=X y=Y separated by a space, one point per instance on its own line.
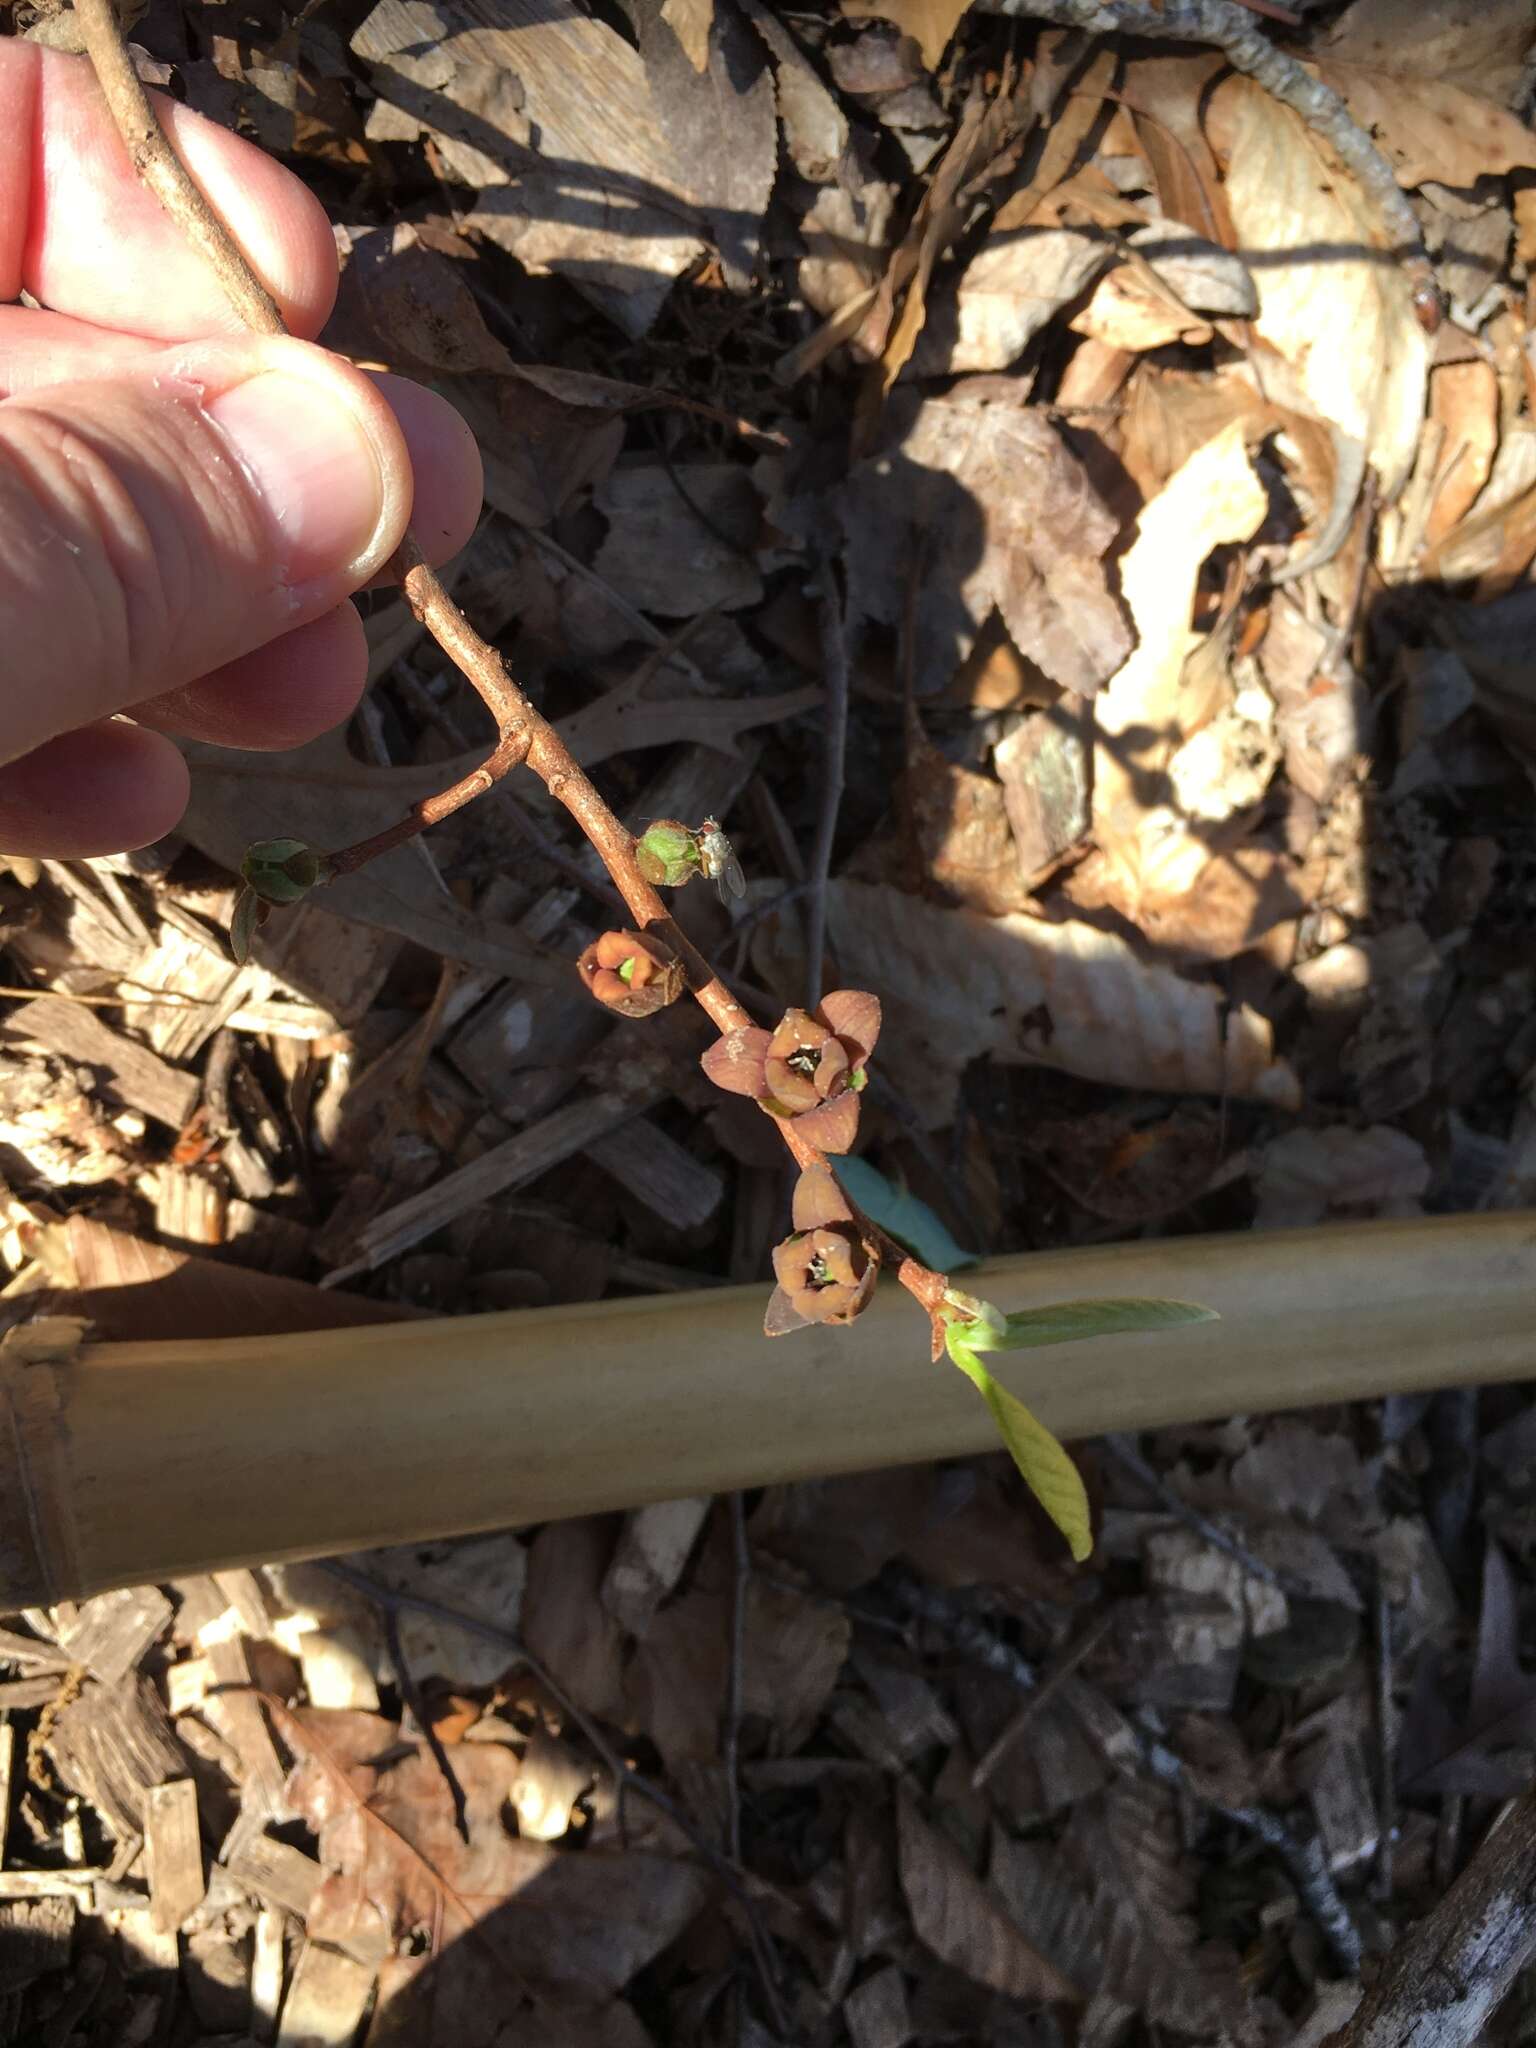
x=132 y=1462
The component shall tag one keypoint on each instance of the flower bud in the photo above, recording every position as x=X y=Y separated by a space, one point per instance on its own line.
x=283 y=870
x=667 y=854
x=631 y=973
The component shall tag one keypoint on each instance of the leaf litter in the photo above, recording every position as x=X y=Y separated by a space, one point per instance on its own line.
x=1185 y=835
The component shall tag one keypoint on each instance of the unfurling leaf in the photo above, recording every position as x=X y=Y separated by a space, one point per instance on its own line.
x=1066 y=1322
x=243 y=922
x=1047 y=1470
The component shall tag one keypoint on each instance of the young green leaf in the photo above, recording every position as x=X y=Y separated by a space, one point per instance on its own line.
x=1067 y=1322
x=908 y=1220
x=1048 y=1472
x=976 y=1327
x=242 y=924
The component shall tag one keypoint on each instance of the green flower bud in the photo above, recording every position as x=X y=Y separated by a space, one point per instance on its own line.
x=668 y=854
x=283 y=870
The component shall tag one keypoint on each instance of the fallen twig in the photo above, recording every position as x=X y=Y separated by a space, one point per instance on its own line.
x=1442 y=1982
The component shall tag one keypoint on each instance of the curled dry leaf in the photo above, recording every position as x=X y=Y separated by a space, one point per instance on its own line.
x=1057 y=995
x=1313 y=241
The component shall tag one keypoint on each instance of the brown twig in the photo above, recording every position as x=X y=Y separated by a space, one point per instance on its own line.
x=523 y=734
x=1442 y=1982
x=163 y=171
x=730 y=1745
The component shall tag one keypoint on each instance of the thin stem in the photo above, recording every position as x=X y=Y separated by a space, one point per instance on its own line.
x=834 y=662
x=741 y=1576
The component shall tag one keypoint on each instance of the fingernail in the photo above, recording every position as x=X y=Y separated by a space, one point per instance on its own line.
x=315 y=467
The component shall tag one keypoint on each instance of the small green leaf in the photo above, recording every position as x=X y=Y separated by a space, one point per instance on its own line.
x=909 y=1221
x=1047 y=1471
x=1067 y=1322
x=242 y=924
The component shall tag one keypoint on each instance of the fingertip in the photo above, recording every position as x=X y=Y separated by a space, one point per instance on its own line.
x=280 y=696
x=104 y=788
x=445 y=463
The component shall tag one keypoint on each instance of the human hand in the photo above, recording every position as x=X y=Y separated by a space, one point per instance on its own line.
x=184 y=507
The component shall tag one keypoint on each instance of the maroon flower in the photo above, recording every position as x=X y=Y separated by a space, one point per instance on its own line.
x=631 y=973
x=825 y=1268
x=807 y=1072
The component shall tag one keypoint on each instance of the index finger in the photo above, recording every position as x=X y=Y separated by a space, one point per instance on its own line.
x=81 y=233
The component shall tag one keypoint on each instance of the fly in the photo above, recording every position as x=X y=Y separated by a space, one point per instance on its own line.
x=717 y=857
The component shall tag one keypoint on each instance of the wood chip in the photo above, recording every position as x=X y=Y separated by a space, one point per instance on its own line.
x=35 y=1938
x=7 y=1764
x=110 y=1633
x=649 y=1560
x=660 y=1173
x=512 y=1164
x=278 y=1874
x=326 y=2001
x=234 y=1712
x=174 y=1852
x=113 y=1745
x=266 y=1973
x=126 y=1072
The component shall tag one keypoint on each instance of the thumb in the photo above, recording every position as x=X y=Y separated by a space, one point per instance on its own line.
x=162 y=521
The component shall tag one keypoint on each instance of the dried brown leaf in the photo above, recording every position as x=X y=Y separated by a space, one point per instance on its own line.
x=960 y=987
x=1430 y=128
x=1112 y=1908
x=962 y=1920
x=547 y=113
x=930 y=23
x=1313 y=238
x=718 y=116
x=1480 y=44
x=944 y=505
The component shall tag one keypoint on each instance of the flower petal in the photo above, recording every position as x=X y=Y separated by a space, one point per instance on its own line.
x=831 y=1126
x=855 y=1015
x=735 y=1062
x=794 y=1091
x=818 y=1200
x=782 y=1316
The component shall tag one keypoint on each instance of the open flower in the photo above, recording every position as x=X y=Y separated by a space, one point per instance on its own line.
x=809 y=1070
x=631 y=973
x=825 y=1268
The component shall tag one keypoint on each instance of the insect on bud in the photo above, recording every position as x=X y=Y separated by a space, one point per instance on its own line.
x=631 y=974
x=667 y=854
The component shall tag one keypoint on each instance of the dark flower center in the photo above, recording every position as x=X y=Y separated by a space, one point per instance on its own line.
x=805 y=1062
